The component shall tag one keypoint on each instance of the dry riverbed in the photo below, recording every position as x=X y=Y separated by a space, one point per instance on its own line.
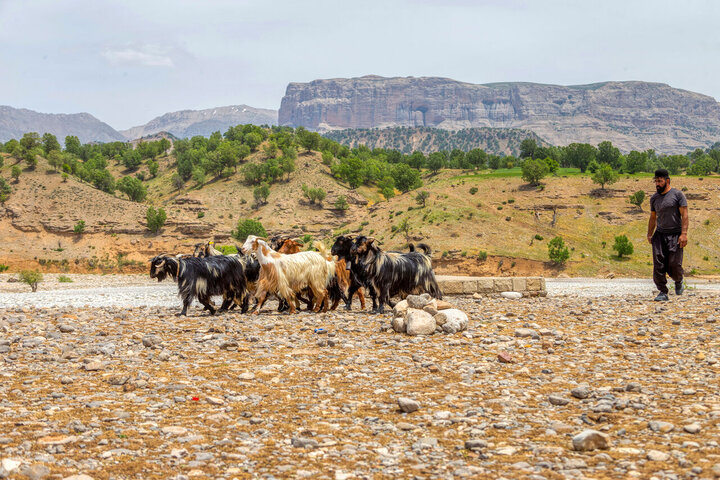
x=136 y=392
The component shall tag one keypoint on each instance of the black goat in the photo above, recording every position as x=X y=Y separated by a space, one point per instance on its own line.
x=391 y=273
x=202 y=278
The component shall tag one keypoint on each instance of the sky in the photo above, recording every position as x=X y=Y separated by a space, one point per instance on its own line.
x=128 y=61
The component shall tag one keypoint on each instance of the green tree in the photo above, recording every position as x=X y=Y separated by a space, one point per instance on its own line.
x=5 y=190
x=421 y=198
x=32 y=278
x=73 y=145
x=50 y=143
x=30 y=159
x=165 y=145
x=315 y=195
x=416 y=160
x=637 y=198
x=15 y=173
x=287 y=165
x=405 y=227
x=155 y=219
x=477 y=158
x=177 y=181
x=131 y=159
x=406 y=178
x=605 y=175
x=198 y=176
x=30 y=140
x=623 y=246
x=55 y=159
x=307 y=139
x=261 y=194
x=253 y=140
x=79 y=227
x=534 y=170
x=387 y=187
x=350 y=170
x=436 y=161
x=341 y=203
x=558 y=251
x=606 y=153
x=153 y=167
x=248 y=227
x=527 y=148
x=327 y=157
x=635 y=162
x=580 y=155
x=133 y=188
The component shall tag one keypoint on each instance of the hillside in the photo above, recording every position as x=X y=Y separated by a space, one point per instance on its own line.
x=498 y=141
x=633 y=115
x=501 y=219
x=188 y=123
x=14 y=122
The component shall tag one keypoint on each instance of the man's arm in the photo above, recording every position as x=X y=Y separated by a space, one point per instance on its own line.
x=682 y=241
x=651 y=226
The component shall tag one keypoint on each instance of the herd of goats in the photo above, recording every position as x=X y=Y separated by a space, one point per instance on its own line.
x=279 y=267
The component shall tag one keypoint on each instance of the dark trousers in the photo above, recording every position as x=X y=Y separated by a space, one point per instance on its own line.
x=667 y=259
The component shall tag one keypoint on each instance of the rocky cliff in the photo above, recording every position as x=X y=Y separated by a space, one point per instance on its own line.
x=14 y=122
x=633 y=115
x=188 y=123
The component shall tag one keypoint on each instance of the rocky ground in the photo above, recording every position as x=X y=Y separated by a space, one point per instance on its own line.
x=136 y=392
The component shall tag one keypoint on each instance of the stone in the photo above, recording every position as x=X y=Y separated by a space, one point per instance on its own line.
x=150 y=341
x=662 y=427
x=418 y=322
x=527 y=332
x=505 y=357
x=215 y=401
x=10 y=464
x=79 y=477
x=475 y=444
x=657 y=456
x=443 y=305
x=452 y=320
x=300 y=442
x=398 y=324
x=692 y=428
x=589 y=440
x=418 y=301
x=511 y=295
x=94 y=366
x=581 y=392
x=400 y=308
x=66 y=328
x=408 y=405
x=54 y=440
x=246 y=376
x=174 y=430
x=36 y=471
x=558 y=400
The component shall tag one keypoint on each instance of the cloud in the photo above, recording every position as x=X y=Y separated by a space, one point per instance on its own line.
x=146 y=56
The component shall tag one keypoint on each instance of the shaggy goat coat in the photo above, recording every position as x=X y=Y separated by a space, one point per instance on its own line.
x=202 y=278
x=391 y=274
x=286 y=275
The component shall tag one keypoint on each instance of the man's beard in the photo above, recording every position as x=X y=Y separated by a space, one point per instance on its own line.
x=659 y=188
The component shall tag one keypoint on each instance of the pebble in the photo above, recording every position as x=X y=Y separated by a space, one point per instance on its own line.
x=692 y=428
x=408 y=405
x=589 y=440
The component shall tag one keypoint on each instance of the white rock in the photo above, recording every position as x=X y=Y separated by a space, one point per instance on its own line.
x=418 y=301
x=398 y=324
x=10 y=464
x=79 y=477
x=246 y=376
x=408 y=405
x=513 y=295
x=692 y=428
x=588 y=440
x=400 y=308
x=657 y=456
x=452 y=320
x=172 y=430
x=419 y=322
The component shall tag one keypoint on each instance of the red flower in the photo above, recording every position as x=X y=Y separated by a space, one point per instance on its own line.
x=196 y=399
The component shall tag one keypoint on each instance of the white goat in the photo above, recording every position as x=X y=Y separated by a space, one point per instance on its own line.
x=286 y=275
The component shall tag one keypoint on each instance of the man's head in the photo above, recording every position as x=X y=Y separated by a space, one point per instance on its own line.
x=662 y=180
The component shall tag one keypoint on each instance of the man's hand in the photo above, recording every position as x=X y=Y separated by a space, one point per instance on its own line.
x=682 y=241
x=649 y=237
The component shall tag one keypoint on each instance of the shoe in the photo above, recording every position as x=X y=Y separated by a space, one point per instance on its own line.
x=679 y=288
x=662 y=297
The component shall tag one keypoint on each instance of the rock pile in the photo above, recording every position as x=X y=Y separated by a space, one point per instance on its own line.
x=424 y=315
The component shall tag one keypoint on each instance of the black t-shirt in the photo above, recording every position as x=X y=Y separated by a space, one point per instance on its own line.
x=667 y=207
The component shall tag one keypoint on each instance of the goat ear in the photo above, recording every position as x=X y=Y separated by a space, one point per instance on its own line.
x=370 y=240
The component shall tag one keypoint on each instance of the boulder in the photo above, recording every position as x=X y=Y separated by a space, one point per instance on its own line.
x=418 y=301
x=589 y=440
x=452 y=320
x=400 y=308
x=419 y=322
x=398 y=324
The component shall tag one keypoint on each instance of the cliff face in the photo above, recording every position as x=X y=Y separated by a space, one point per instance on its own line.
x=188 y=123
x=633 y=115
x=14 y=122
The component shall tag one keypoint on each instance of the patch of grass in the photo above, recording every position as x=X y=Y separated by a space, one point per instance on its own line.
x=65 y=279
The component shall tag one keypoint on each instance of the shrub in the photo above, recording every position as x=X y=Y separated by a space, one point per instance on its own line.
x=341 y=203
x=315 y=195
x=307 y=240
x=153 y=168
x=637 y=198
x=65 y=279
x=15 y=173
x=534 y=170
x=155 y=219
x=32 y=278
x=177 y=181
x=261 y=194
x=65 y=177
x=201 y=214
x=133 y=188
x=5 y=190
x=422 y=197
x=706 y=222
x=558 y=251
x=623 y=246
x=604 y=175
x=473 y=190
x=248 y=227
x=327 y=157
x=3 y=267
x=482 y=255
x=539 y=237
x=79 y=227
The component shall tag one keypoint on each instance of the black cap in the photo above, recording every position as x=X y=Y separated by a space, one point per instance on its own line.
x=662 y=173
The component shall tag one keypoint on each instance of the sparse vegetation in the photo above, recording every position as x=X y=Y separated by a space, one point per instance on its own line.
x=155 y=219
x=558 y=251
x=3 y=267
x=473 y=190
x=341 y=203
x=482 y=255
x=637 y=198
x=31 y=277
x=79 y=227
x=422 y=197
x=248 y=227
x=623 y=246
x=65 y=279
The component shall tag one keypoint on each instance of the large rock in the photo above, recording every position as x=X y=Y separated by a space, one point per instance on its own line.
x=400 y=308
x=629 y=114
x=452 y=320
x=589 y=440
x=418 y=301
x=419 y=322
x=398 y=324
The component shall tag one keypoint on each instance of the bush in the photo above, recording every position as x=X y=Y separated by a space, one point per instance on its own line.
x=623 y=246
x=177 y=181
x=153 y=168
x=155 y=219
x=315 y=195
x=422 y=197
x=3 y=267
x=133 y=188
x=637 y=198
x=604 y=175
x=15 y=173
x=65 y=279
x=32 y=278
x=5 y=190
x=558 y=251
x=482 y=255
x=248 y=227
x=473 y=190
x=261 y=194
x=341 y=203
x=538 y=237
x=534 y=170
x=79 y=227
x=307 y=240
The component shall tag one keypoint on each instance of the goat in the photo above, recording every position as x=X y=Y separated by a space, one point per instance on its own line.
x=202 y=278
x=390 y=273
x=206 y=250
x=286 y=275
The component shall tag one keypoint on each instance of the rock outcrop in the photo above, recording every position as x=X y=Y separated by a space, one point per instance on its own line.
x=633 y=115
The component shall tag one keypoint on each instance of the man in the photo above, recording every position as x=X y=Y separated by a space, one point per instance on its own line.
x=669 y=213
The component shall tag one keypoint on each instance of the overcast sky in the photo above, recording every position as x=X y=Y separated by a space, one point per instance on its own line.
x=128 y=61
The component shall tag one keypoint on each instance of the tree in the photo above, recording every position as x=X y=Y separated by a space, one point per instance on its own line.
x=606 y=153
x=55 y=159
x=315 y=195
x=307 y=139
x=50 y=143
x=131 y=159
x=527 y=148
x=387 y=187
x=534 y=170
x=436 y=161
x=350 y=170
x=73 y=145
x=32 y=278
x=406 y=178
x=605 y=175
x=248 y=227
x=164 y=145
x=79 y=227
x=30 y=140
x=557 y=251
x=579 y=155
x=198 y=176
x=422 y=197
x=404 y=227
x=287 y=165
x=5 y=190
x=327 y=157
x=637 y=198
x=155 y=219
x=153 y=167
x=15 y=173
x=635 y=162
x=133 y=188
x=261 y=194
x=31 y=159
x=177 y=181
x=477 y=158
x=416 y=160
x=341 y=203
x=623 y=246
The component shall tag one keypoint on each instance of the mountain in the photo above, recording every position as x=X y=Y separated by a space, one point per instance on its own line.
x=14 y=122
x=499 y=141
x=188 y=123
x=633 y=115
